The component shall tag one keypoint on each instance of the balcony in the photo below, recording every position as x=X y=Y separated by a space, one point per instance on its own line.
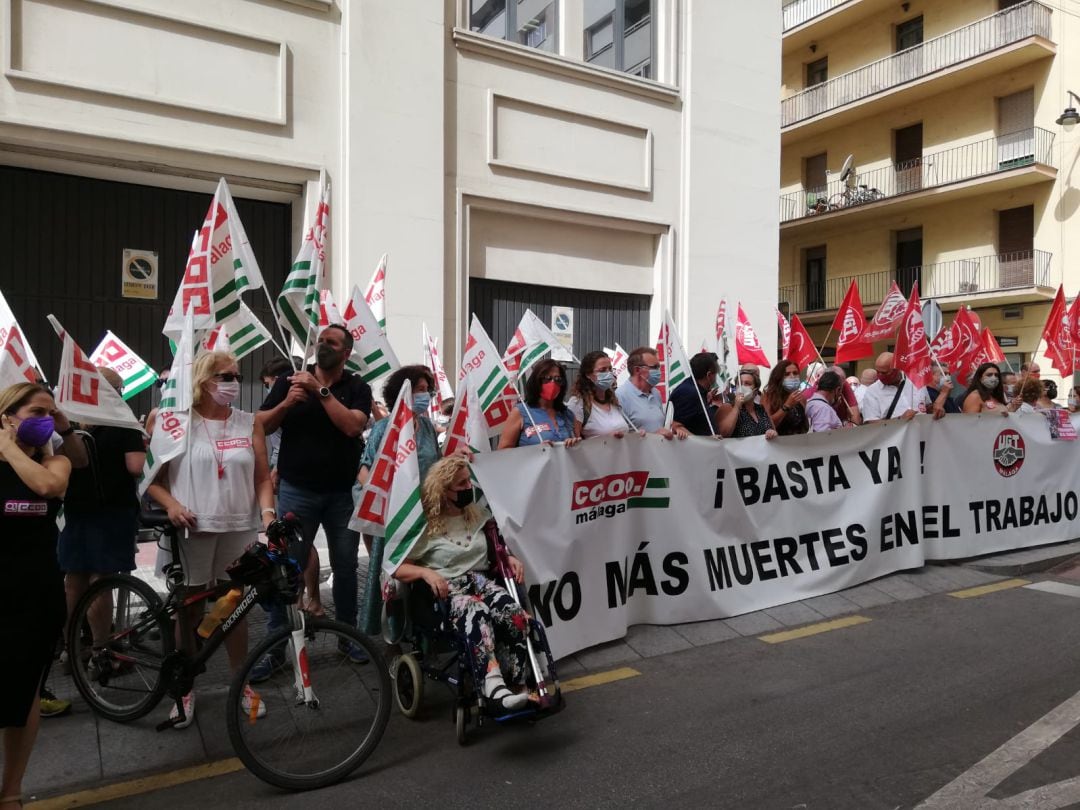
x=1012 y=160
x=797 y=12
x=1005 y=277
x=1024 y=31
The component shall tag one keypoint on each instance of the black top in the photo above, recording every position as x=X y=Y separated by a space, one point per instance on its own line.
x=27 y=530
x=105 y=482
x=951 y=405
x=686 y=408
x=314 y=454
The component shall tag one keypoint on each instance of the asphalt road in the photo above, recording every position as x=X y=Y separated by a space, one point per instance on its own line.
x=881 y=714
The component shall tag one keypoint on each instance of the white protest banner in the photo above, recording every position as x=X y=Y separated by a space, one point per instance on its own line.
x=14 y=358
x=135 y=372
x=372 y=356
x=83 y=394
x=639 y=530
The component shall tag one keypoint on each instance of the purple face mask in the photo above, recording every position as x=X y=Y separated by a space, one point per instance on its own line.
x=35 y=431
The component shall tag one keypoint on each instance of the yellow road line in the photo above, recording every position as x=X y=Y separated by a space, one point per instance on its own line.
x=599 y=678
x=813 y=629
x=982 y=590
x=135 y=787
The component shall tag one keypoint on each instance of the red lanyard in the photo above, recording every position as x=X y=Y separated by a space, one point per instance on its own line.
x=213 y=446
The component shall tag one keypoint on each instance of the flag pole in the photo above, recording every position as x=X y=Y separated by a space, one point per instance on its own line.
x=281 y=330
x=824 y=342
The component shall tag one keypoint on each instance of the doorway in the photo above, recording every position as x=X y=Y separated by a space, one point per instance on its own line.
x=909 y=259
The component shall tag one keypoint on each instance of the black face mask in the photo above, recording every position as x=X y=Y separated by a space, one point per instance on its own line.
x=463 y=497
x=326 y=357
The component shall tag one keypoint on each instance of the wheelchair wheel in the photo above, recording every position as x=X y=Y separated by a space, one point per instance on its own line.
x=461 y=719
x=408 y=683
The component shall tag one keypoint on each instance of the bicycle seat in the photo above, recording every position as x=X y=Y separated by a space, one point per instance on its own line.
x=154 y=520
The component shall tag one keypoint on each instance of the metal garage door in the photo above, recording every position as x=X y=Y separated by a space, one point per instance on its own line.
x=600 y=318
x=64 y=238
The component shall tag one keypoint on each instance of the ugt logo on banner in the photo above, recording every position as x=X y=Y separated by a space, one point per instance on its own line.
x=614 y=494
x=1008 y=453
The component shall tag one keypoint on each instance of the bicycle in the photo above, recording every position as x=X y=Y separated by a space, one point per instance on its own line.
x=324 y=716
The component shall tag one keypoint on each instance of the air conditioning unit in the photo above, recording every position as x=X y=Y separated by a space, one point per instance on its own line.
x=969 y=286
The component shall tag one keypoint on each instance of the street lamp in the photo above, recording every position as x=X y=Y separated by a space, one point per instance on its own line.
x=1070 y=117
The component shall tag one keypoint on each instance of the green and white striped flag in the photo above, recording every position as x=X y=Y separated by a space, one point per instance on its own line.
x=242 y=334
x=298 y=302
x=674 y=365
x=372 y=356
x=245 y=267
x=170 y=435
x=494 y=385
x=133 y=370
x=389 y=504
x=208 y=288
x=532 y=340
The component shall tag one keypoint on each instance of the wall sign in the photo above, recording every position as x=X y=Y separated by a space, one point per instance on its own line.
x=140 y=274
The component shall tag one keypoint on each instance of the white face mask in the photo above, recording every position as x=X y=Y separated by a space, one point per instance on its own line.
x=225 y=392
x=744 y=391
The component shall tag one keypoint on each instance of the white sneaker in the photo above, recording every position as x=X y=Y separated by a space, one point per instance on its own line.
x=189 y=711
x=251 y=698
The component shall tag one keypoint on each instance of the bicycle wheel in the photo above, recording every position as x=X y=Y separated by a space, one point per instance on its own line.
x=118 y=636
x=301 y=746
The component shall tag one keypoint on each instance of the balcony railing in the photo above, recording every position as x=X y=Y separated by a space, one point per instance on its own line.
x=983 y=36
x=997 y=273
x=981 y=158
x=796 y=12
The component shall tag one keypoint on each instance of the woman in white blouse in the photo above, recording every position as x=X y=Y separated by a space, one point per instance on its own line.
x=594 y=404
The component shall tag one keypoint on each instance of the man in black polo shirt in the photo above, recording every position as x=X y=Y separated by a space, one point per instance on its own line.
x=692 y=399
x=321 y=414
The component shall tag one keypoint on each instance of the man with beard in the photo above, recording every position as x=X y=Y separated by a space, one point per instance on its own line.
x=321 y=413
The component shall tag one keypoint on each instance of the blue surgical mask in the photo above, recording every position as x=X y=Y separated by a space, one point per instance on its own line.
x=791 y=383
x=421 y=402
x=654 y=377
x=604 y=380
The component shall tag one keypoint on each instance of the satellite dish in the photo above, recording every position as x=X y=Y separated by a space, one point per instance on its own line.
x=845 y=171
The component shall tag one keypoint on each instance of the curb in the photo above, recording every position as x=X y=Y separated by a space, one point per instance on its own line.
x=1030 y=561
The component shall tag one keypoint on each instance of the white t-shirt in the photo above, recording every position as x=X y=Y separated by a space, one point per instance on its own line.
x=602 y=421
x=878 y=397
x=215 y=477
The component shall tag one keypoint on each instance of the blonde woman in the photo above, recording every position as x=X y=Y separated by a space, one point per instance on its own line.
x=451 y=557
x=32 y=610
x=219 y=492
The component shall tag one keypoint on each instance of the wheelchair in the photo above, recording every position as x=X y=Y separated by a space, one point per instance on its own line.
x=432 y=649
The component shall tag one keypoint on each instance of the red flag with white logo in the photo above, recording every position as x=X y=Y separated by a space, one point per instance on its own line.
x=850 y=323
x=887 y=318
x=747 y=346
x=912 y=351
x=954 y=345
x=785 y=333
x=1056 y=333
x=802 y=351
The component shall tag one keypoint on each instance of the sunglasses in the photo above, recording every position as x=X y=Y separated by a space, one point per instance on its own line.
x=228 y=376
x=552 y=379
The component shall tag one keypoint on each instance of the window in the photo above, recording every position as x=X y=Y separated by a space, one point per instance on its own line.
x=526 y=22
x=815 y=171
x=817 y=72
x=909 y=34
x=619 y=35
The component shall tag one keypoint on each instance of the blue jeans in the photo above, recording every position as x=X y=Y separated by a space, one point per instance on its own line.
x=333 y=510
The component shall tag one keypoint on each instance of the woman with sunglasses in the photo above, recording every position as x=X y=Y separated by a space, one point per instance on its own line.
x=542 y=418
x=219 y=492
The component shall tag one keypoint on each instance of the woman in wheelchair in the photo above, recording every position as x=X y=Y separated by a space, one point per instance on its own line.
x=452 y=559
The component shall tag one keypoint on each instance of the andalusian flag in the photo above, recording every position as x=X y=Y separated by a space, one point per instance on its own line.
x=219 y=265
x=494 y=385
x=170 y=435
x=372 y=356
x=389 y=504
x=298 y=303
x=240 y=335
x=467 y=426
x=376 y=293
x=674 y=364
x=133 y=370
x=532 y=340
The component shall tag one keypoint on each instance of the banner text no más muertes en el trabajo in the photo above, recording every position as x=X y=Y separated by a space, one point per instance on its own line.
x=617 y=532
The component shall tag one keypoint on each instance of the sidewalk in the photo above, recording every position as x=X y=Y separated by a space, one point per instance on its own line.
x=81 y=750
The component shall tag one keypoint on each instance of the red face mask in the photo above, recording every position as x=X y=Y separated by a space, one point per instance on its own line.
x=889 y=377
x=550 y=390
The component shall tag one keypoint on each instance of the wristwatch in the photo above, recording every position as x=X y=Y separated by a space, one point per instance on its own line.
x=324 y=392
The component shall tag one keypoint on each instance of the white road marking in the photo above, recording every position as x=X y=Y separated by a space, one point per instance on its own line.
x=970 y=789
x=1059 y=588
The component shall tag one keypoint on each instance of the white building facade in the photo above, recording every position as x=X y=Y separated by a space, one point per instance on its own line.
x=619 y=157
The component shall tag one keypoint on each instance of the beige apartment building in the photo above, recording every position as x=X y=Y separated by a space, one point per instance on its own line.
x=962 y=178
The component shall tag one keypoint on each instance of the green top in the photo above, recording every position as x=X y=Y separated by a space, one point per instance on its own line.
x=455 y=551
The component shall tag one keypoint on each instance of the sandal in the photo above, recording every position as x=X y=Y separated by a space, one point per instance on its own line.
x=317 y=613
x=499 y=696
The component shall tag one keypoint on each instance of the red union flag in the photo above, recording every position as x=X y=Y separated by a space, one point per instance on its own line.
x=1059 y=342
x=912 y=350
x=802 y=352
x=849 y=324
x=785 y=333
x=994 y=354
x=887 y=318
x=15 y=364
x=747 y=347
x=953 y=345
x=83 y=394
